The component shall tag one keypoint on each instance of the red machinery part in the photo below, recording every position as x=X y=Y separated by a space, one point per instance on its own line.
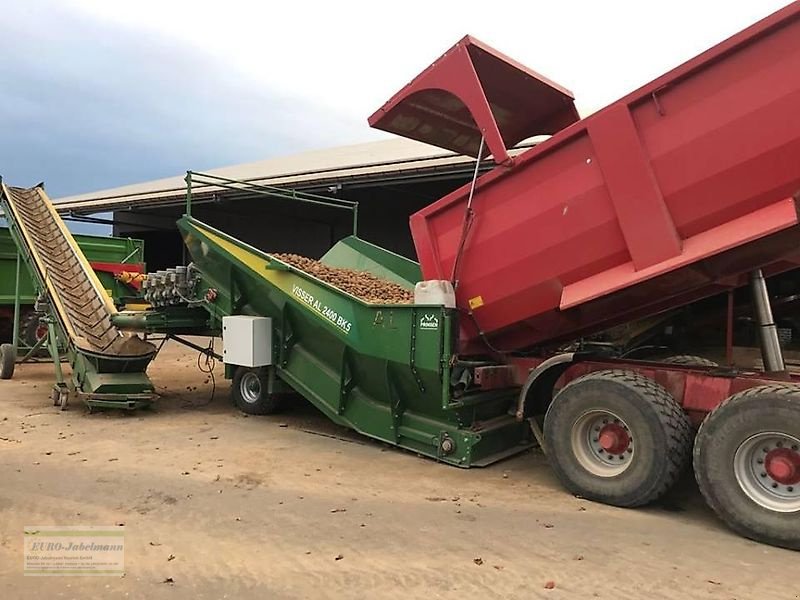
x=698 y=390
x=474 y=90
x=119 y=270
x=669 y=195
x=613 y=438
x=783 y=465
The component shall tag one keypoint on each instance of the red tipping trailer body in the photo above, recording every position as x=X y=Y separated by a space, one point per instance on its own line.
x=671 y=194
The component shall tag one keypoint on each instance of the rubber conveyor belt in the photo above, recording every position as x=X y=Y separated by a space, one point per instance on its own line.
x=83 y=307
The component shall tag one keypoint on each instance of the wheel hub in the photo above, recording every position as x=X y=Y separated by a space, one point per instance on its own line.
x=602 y=443
x=614 y=439
x=250 y=388
x=783 y=465
x=767 y=467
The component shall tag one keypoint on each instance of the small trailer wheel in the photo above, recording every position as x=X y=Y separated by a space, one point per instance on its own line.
x=747 y=463
x=250 y=391
x=8 y=360
x=60 y=396
x=617 y=437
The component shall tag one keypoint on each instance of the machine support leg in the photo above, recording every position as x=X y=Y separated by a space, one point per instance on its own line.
x=52 y=342
x=15 y=338
x=768 y=333
x=39 y=343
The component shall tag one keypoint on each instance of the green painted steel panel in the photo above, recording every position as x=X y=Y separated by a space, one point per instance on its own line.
x=383 y=370
x=355 y=253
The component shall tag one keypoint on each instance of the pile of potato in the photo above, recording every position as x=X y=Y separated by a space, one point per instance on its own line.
x=361 y=284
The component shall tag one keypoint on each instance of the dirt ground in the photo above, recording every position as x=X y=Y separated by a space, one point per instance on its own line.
x=290 y=506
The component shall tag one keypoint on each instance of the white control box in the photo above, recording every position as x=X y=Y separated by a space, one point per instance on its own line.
x=247 y=341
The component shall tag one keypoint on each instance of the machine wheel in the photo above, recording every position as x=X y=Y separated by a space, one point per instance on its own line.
x=689 y=360
x=617 y=437
x=60 y=397
x=8 y=360
x=747 y=463
x=250 y=391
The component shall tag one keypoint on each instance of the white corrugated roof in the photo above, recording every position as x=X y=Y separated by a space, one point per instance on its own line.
x=391 y=156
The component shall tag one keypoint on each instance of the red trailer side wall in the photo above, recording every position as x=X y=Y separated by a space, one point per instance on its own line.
x=665 y=196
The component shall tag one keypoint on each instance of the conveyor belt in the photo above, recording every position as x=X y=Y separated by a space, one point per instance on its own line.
x=83 y=307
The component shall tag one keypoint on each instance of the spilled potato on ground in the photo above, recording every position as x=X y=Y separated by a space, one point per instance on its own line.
x=361 y=284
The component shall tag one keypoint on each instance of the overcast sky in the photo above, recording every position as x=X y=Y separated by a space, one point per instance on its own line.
x=99 y=93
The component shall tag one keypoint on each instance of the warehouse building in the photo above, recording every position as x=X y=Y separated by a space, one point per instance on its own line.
x=389 y=179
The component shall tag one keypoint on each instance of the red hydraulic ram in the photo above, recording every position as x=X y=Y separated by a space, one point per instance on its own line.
x=671 y=194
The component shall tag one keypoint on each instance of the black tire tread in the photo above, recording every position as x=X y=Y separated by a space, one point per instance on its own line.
x=790 y=392
x=674 y=420
x=268 y=405
x=689 y=360
x=8 y=358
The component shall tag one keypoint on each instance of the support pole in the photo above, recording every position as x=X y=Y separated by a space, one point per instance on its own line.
x=468 y=216
x=768 y=334
x=52 y=342
x=42 y=341
x=729 y=331
x=15 y=337
x=188 y=181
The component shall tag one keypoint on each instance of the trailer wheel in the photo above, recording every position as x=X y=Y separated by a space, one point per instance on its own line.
x=747 y=463
x=250 y=391
x=8 y=360
x=689 y=360
x=617 y=437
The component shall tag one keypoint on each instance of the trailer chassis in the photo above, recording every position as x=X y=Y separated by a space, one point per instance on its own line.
x=594 y=415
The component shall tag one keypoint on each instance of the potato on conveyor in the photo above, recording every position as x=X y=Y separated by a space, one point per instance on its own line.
x=360 y=284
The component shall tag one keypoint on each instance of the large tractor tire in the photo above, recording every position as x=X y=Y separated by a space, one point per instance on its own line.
x=617 y=437
x=8 y=360
x=747 y=463
x=689 y=360
x=250 y=391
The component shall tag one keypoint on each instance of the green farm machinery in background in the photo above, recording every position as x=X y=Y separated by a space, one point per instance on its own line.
x=115 y=260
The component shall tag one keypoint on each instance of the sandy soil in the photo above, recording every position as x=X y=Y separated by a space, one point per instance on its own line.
x=291 y=506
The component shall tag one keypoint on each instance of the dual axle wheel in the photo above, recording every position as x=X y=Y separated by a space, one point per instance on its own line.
x=747 y=463
x=618 y=437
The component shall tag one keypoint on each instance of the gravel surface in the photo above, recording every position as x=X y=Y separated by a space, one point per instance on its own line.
x=290 y=506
